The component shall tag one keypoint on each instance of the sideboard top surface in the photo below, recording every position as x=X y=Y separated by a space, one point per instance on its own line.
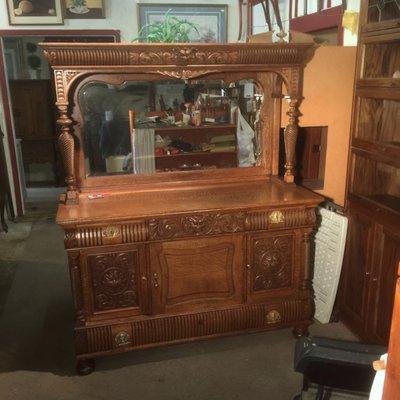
x=121 y=205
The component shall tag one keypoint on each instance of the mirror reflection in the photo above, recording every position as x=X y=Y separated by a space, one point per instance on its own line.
x=145 y=127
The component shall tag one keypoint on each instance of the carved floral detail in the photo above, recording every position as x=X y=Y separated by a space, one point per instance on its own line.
x=183 y=56
x=69 y=75
x=272 y=263
x=196 y=225
x=185 y=73
x=51 y=56
x=114 y=280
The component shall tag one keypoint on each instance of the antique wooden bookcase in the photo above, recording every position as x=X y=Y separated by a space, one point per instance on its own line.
x=167 y=257
x=373 y=190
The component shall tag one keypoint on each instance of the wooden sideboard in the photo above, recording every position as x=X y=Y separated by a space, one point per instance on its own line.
x=168 y=257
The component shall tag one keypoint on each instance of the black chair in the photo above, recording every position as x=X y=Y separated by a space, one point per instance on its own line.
x=335 y=365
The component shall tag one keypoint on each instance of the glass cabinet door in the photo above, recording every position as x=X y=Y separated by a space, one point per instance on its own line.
x=383 y=10
x=147 y=127
x=382 y=60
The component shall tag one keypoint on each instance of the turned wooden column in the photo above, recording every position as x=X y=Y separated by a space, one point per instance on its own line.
x=290 y=136
x=62 y=79
x=67 y=146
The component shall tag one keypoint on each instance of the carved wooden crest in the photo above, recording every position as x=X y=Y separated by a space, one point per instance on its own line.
x=186 y=73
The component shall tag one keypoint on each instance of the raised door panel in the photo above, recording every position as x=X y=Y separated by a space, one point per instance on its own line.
x=357 y=270
x=197 y=273
x=384 y=284
x=116 y=281
x=271 y=265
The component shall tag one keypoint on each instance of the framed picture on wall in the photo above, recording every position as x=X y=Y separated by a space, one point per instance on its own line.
x=84 y=9
x=211 y=21
x=35 y=12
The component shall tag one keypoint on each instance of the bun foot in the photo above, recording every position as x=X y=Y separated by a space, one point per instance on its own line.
x=300 y=331
x=85 y=366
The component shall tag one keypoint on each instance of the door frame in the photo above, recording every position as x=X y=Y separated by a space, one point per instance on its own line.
x=6 y=98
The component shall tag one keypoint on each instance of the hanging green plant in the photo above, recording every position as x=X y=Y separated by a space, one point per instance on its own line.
x=170 y=30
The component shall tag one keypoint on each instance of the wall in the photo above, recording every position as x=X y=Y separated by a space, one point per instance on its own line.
x=350 y=39
x=328 y=97
x=122 y=15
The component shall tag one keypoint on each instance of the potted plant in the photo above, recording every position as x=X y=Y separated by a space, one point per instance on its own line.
x=78 y=7
x=170 y=30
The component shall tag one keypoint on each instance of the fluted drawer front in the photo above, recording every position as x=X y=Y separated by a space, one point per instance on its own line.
x=159 y=331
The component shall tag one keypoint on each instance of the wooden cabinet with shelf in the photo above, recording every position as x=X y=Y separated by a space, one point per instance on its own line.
x=160 y=257
x=373 y=191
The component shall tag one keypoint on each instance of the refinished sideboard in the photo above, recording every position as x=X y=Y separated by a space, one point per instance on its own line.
x=192 y=247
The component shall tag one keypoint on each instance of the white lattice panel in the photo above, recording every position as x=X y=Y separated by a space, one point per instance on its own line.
x=330 y=241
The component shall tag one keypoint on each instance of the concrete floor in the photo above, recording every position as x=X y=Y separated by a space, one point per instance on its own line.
x=36 y=355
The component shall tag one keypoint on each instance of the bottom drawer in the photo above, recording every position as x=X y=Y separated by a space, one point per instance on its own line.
x=150 y=332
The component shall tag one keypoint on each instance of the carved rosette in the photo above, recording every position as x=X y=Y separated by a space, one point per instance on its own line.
x=113 y=278
x=272 y=263
x=196 y=225
x=290 y=136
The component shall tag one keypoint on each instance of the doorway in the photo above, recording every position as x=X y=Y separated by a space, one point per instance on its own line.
x=27 y=89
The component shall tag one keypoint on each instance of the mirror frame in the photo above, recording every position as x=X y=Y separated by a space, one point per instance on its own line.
x=74 y=62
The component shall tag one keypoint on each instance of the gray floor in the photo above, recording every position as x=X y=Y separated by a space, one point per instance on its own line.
x=36 y=355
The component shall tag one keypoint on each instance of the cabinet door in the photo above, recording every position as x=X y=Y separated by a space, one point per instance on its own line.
x=383 y=283
x=197 y=274
x=357 y=271
x=116 y=281
x=271 y=265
